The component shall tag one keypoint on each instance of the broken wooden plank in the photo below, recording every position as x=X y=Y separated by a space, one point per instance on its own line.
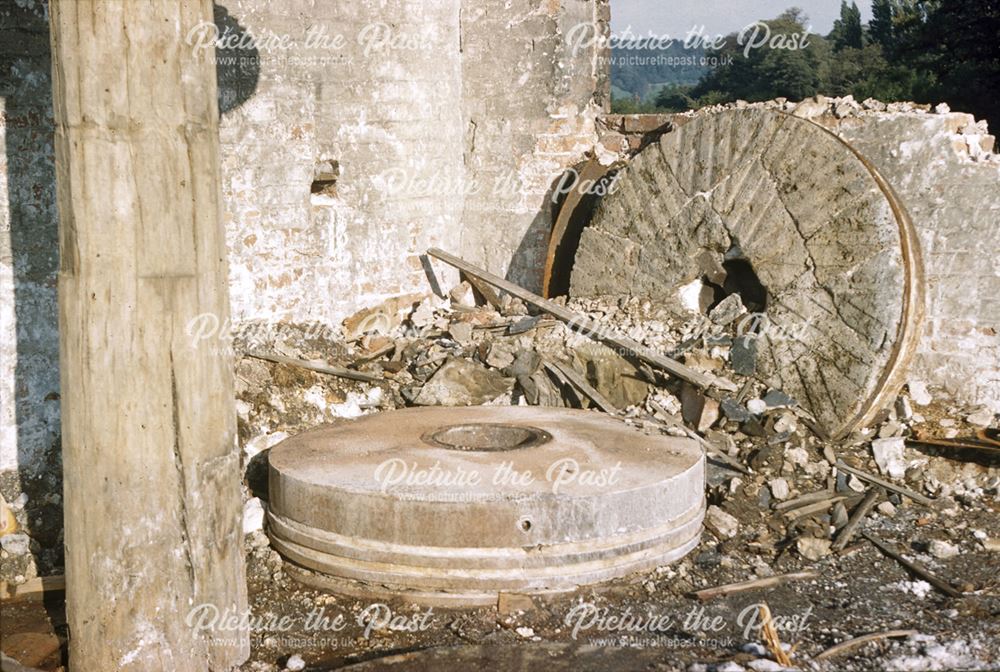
x=914 y=567
x=564 y=381
x=371 y=356
x=318 y=368
x=587 y=326
x=710 y=448
x=983 y=441
x=33 y=589
x=815 y=507
x=854 y=643
x=753 y=584
x=871 y=478
x=578 y=381
x=858 y=515
x=809 y=498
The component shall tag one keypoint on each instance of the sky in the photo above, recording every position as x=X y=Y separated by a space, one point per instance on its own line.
x=677 y=17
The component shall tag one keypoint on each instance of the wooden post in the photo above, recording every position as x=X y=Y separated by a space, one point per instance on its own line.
x=151 y=465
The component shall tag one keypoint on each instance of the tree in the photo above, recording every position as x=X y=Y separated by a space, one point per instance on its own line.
x=927 y=51
x=766 y=72
x=675 y=98
x=880 y=28
x=847 y=31
x=958 y=42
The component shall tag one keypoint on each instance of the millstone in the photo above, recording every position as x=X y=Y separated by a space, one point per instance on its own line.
x=454 y=505
x=786 y=214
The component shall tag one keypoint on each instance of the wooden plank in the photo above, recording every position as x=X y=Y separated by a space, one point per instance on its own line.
x=857 y=516
x=315 y=366
x=33 y=589
x=851 y=644
x=151 y=465
x=582 y=385
x=871 y=478
x=587 y=326
x=914 y=567
x=809 y=498
x=753 y=584
x=814 y=508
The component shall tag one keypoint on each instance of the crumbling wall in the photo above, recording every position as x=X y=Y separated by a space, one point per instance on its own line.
x=940 y=164
x=534 y=78
x=345 y=162
x=29 y=259
x=448 y=129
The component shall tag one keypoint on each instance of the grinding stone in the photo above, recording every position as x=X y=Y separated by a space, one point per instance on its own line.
x=437 y=504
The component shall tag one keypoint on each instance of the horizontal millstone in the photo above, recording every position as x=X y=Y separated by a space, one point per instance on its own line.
x=602 y=499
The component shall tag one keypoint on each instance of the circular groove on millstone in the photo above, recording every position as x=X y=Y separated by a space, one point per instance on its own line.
x=825 y=234
x=602 y=500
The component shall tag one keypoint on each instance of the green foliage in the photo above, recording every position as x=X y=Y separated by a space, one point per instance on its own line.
x=880 y=29
x=847 y=31
x=927 y=51
x=641 y=72
x=958 y=43
x=675 y=98
x=764 y=73
x=632 y=105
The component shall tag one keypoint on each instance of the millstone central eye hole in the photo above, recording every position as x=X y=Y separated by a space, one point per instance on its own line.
x=487 y=437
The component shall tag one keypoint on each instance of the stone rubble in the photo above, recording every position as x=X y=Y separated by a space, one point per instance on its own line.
x=448 y=352
x=972 y=139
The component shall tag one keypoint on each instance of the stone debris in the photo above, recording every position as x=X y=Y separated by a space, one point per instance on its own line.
x=719 y=521
x=792 y=496
x=295 y=663
x=462 y=295
x=727 y=310
x=525 y=632
x=919 y=393
x=889 y=457
x=829 y=111
x=460 y=382
x=253 y=516
x=812 y=548
x=887 y=509
x=984 y=417
x=15 y=544
x=942 y=549
x=779 y=488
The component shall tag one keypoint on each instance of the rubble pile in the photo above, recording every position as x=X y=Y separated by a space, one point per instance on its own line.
x=900 y=526
x=971 y=138
x=773 y=480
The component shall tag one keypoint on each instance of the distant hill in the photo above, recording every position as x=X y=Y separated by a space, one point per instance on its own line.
x=641 y=72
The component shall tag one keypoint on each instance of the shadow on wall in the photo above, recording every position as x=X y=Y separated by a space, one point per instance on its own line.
x=32 y=259
x=527 y=264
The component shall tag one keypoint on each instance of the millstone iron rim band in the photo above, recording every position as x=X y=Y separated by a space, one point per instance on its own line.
x=343 y=530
